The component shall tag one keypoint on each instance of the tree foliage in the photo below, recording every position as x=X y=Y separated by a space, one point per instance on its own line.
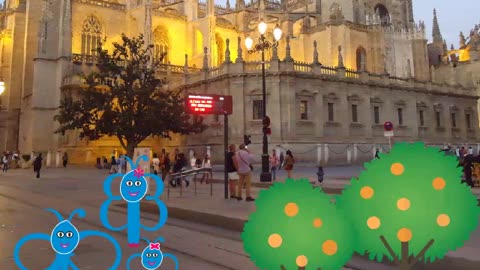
x=297 y=226
x=124 y=98
x=410 y=201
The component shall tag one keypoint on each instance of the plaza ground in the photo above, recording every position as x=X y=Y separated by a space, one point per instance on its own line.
x=203 y=231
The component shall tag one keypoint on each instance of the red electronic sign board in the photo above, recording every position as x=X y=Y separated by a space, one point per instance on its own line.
x=208 y=104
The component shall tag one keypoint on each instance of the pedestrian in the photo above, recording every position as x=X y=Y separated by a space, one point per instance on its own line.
x=206 y=165
x=274 y=162
x=37 y=164
x=320 y=174
x=193 y=162
x=282 y=158
x=470 y=150
x=5 y=161
x=156 y=164
x=467 y=170
x=166 y=166
x=232 y=167
x=122 y=164
x=377 y=153
x=289 y=161
x=245 y=160
x=113 y=165
x=178 y=167
x=65 y=159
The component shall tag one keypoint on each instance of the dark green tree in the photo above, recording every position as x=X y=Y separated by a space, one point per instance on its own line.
x=410 y=206
x=124 y=98
x=295 y=227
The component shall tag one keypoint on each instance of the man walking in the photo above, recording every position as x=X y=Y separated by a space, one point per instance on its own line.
x=244 y=159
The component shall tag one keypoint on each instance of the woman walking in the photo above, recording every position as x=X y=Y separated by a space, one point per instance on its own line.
x=37 y=164
x=289 y=161
x=206 y=165
x=65 y=159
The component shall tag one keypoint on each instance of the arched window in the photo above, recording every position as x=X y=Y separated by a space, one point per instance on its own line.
x=91 y=35
x=220 y=49
x=384 y=14
x=161 y=42
x=361 y=59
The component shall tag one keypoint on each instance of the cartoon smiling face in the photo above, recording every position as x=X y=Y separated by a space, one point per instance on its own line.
x=152 y=258
x=133 y=188
x=64 y=238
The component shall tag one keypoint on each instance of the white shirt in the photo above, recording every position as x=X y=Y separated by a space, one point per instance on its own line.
x=193 y=162
x=206 y=164
x=470 y=151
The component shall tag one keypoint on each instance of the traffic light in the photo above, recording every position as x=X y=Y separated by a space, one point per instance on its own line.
x=246 y=139
x=266 y=125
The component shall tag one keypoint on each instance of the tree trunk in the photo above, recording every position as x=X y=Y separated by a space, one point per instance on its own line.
x=130 y=149
x=405 y=261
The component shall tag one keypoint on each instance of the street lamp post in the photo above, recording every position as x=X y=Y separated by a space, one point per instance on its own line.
x=262 y=45
x=2 y=89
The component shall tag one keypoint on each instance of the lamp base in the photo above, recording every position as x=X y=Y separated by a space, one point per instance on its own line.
x=265 y=177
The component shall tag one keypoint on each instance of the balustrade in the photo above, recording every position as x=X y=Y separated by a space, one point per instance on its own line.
x=102 y=3
x=194 y=74
x=302 y=66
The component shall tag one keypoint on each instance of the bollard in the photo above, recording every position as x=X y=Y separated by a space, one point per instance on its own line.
x=181 y=187
x=195 y=183
x=168 y=185
x=211 y=183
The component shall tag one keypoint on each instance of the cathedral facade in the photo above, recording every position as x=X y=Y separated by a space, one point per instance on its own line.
x=340 y=70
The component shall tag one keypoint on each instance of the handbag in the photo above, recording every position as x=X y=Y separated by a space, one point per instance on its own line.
x=249 y=165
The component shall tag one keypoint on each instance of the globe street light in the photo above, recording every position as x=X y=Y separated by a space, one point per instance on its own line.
x=262 y=45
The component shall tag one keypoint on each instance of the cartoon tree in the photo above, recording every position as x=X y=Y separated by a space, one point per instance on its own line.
x=295 y=227
x=410 y=206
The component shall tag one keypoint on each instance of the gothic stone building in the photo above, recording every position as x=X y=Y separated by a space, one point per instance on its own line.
x=341 y=69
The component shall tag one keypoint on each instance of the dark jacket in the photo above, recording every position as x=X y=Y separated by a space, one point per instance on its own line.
x=37 y=164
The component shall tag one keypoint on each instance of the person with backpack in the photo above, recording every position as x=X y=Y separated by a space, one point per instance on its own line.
x=232 y=167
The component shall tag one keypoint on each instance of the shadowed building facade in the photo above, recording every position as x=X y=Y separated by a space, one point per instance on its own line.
x=342 y=68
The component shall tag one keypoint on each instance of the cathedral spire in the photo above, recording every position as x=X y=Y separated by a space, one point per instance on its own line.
x=463 y=41
x=436 y=35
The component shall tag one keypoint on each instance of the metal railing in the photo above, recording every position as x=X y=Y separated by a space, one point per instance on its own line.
x=181 y=175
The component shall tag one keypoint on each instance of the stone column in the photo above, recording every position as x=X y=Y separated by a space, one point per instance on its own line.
x=349 y=155
x=49 y=159
x=374 y=148
x=319 y=154
x=58 y=158
x=88 y=157
x=326 y=153
x=355 y=153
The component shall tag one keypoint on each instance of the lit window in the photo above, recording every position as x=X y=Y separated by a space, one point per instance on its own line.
x=91 y=35
x=330 y=112
x=257 y=109
x=304 y=110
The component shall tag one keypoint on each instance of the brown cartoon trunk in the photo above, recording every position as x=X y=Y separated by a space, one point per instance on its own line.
x=405 y=259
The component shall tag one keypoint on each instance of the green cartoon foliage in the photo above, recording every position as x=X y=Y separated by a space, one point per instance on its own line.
x=410 y=205
x=297 y=226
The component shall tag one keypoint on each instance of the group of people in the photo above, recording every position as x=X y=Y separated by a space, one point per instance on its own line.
x=239 y=169
x=162 y=164
x=7 y=159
